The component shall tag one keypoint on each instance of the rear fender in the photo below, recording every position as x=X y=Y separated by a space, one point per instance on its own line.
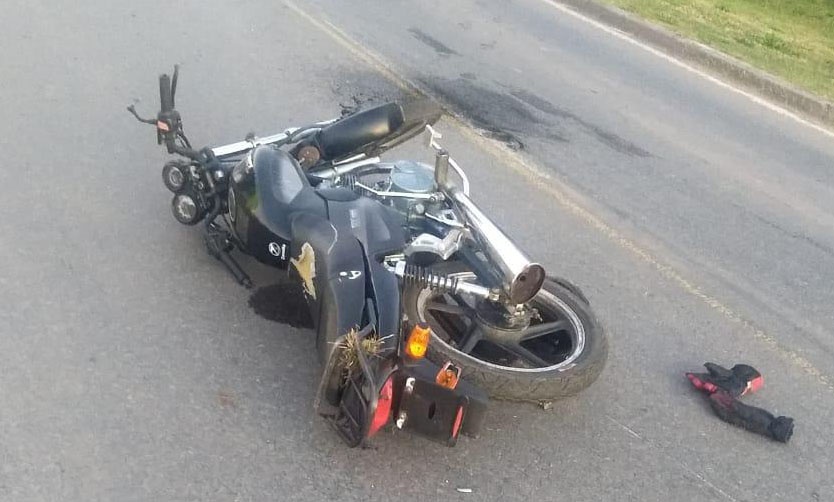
x=330 y=265
x=384 y=289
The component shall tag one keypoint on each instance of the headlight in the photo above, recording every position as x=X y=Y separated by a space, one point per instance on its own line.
x=174 y=176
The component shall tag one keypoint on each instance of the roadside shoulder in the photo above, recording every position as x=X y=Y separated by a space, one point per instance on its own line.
x=705 y=58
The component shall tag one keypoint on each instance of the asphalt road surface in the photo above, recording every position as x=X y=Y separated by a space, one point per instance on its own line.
x=699 y=223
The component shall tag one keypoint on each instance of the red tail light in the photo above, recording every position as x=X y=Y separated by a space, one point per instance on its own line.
x=458 y=422
x=383 y=407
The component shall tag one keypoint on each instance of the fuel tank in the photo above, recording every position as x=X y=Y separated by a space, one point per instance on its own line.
x=265 y=189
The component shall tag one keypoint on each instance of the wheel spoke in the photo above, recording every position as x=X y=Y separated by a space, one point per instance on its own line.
x=525 y=355
x=469 y=339
x=544 y=328
x=470 y=312
x=448 y=308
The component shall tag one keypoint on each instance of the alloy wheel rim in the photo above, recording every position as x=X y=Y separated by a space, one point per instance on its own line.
x=540 y=347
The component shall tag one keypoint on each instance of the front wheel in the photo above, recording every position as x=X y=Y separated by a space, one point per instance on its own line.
x=555 y=353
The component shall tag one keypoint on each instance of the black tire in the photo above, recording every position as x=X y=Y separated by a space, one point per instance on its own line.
x=573 y=288
x=544 y=385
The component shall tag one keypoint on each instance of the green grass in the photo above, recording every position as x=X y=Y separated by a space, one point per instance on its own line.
x=793 y=39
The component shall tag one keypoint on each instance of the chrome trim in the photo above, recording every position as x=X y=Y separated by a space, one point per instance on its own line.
x=428 y=243
x=464 y=179
x=522 y=277
x=432 y=136
x=396 y=264
x=433 y=197
x=337 y=170
x=477 y=290
x=447 y=217
x=280 y=138
x=242 y=146
x=441 y=168
x=348 y=160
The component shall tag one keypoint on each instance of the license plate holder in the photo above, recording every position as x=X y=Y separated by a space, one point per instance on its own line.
x=430 y=410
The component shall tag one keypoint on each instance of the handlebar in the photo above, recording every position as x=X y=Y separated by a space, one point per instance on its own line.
x=166 y=97
x=169 y=128
x=290 y=135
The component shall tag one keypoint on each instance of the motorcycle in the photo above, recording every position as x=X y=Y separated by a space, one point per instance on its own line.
x=423 y=307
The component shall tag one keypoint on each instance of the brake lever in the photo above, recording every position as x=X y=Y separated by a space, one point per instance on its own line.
x=132 y=110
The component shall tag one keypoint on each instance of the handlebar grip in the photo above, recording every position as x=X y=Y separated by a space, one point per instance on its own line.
x=165 y=96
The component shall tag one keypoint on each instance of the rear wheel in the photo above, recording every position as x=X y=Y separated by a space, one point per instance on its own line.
x=555 y=350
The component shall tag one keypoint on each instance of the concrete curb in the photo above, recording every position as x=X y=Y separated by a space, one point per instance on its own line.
x=728 y=68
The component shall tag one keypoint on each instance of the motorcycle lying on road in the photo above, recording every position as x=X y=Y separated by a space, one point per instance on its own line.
x=423 y=308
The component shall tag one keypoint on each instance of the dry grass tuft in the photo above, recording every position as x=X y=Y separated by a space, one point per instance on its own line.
x=370 y=346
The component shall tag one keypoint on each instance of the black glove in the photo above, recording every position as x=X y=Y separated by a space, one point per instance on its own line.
x=757 y=420
x=737 y=381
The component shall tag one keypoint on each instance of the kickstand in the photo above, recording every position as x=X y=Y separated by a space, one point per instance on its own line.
x=219 y=243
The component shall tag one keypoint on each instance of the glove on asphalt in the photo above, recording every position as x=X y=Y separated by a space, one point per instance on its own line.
x=730 y=409
x=737 y=381
x=725 y=386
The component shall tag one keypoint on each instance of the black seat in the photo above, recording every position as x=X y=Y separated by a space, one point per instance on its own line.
x=356 y=131
x=283 y=189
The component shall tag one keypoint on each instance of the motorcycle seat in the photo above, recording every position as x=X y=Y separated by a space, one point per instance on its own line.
x=359 y=130
x=283 y=189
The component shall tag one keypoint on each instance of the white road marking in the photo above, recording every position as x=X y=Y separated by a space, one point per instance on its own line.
x=625 y=427
x=703 y=480
x=661 y=451
x=677 y=62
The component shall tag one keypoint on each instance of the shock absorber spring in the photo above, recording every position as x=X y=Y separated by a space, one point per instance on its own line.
x=348 y=180
x=414 y=275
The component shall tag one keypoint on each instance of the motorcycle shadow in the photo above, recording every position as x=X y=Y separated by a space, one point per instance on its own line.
x=282 y=302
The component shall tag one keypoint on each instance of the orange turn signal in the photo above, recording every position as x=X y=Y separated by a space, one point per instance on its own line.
x=448 y=376
x=418 y=341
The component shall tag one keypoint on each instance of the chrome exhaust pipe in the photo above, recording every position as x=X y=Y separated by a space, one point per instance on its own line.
x=522 y=277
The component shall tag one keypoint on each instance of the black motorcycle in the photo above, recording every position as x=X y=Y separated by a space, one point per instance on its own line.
x=422 y=306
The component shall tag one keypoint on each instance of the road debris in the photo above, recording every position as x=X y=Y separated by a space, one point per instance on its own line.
x=725 y=387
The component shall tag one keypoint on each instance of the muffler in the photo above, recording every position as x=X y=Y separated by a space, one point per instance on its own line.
x=522 y=278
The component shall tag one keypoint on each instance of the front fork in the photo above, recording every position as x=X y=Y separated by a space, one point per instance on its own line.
x=220 y=241
x=219 y=244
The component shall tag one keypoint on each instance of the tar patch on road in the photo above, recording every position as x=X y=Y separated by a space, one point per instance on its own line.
x=508 y=116
x=486 y=109
x=283 y=302
x=359 y=90
x=610 y=139
x=438 y=46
